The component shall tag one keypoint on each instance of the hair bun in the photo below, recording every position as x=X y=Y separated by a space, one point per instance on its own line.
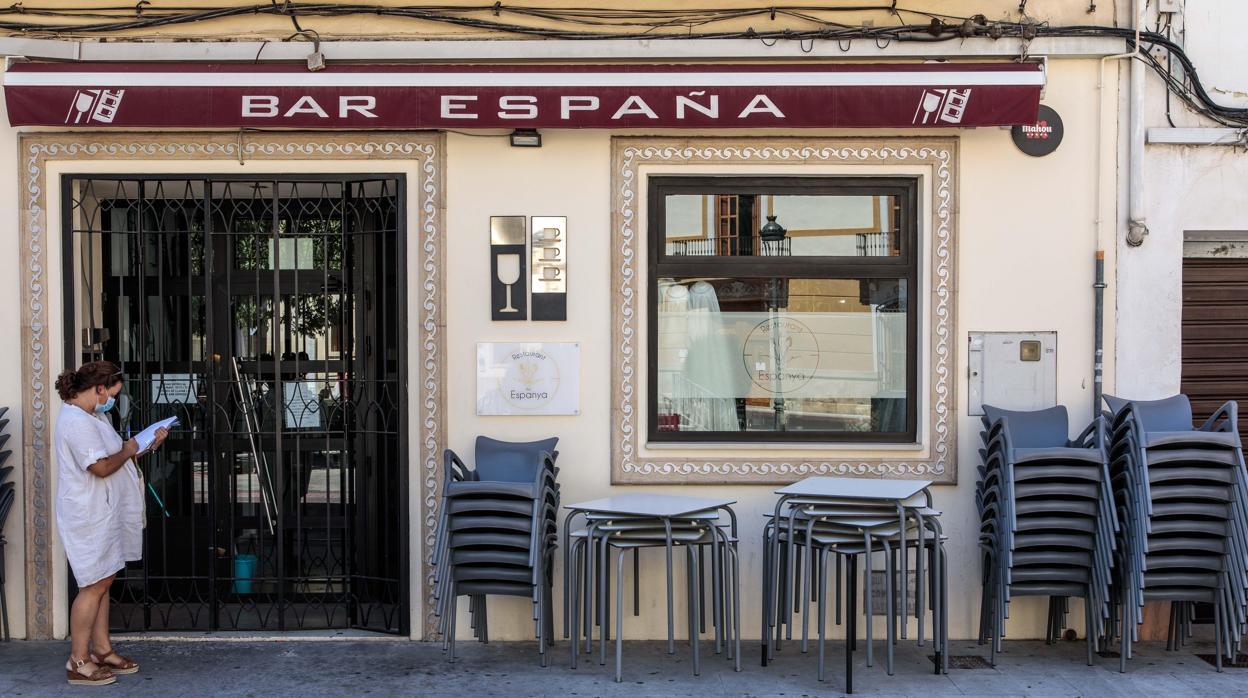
x=71 y=382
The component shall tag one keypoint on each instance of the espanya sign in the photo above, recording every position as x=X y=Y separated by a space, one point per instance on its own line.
x=528 y=378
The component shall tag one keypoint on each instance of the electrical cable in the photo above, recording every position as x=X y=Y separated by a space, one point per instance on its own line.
x=597 y=23
x=1169 y=71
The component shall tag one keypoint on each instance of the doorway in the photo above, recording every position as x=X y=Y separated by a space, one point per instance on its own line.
x=267 y=314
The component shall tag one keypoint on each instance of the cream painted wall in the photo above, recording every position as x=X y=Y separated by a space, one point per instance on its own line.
x=1026 y=246
x=11 y=381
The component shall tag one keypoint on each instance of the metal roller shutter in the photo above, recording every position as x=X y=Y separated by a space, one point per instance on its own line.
x=1215 y=333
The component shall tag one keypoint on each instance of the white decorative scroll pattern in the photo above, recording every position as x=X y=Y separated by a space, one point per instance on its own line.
x=40 y=149
x=939 y=155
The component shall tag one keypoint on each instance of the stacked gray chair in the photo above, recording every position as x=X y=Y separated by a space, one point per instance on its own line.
x=497 y=534
x=8 y=495
x=1047 y=520
x=1183 y=505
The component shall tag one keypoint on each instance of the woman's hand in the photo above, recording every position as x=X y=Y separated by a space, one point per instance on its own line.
x=158 y=438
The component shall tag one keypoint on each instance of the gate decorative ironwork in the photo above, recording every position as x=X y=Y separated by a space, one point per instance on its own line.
x=268 y=314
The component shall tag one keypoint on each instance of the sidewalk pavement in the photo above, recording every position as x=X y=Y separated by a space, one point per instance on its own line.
x=308 y=668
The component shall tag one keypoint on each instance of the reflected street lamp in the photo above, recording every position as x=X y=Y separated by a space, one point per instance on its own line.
x=775 y=238
x=776 y=243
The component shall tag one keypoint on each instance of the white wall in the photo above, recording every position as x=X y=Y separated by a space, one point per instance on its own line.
x=1025 y=262
x=1189 y=188
x=1214 y=40
x=1186 y=188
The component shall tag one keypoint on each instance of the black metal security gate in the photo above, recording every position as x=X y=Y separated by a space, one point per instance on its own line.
x=268 y=315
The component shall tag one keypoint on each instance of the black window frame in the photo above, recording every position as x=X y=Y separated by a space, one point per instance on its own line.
x=905 y=266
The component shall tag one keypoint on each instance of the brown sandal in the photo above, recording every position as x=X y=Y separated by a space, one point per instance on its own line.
x=100 y=677
x=127 y=665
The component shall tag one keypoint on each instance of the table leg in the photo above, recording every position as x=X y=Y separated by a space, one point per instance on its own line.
x=823 y=605
x=636 y=582
x=619 y=614
x=604 y=596
x=736 y=611
x=702 y=585
x=851 y=621
x=671 y=623
x=869 y=612
x=572 y=592
x=696 y=618
x=587 y=592
x=567 y=566
x=765 y=626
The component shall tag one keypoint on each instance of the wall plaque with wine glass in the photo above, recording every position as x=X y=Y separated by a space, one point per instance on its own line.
x=508 y=264
x=550 y=268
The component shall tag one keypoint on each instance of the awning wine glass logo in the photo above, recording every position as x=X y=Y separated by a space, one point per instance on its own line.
x=530 y=379
x=942 y=105
x=99 y=106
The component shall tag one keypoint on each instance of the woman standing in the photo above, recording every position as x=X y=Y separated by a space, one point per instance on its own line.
x=99 y=511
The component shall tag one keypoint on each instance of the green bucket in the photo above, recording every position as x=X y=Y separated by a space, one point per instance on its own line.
x=244 y=570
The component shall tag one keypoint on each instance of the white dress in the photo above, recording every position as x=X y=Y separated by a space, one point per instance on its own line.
x=714 y=368
x=100 y=518
x=703 y=391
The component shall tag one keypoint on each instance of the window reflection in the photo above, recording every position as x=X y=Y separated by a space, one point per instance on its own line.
x=781 y=354
x=818 y=225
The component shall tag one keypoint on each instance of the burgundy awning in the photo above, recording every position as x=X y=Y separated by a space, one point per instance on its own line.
x=807 y=95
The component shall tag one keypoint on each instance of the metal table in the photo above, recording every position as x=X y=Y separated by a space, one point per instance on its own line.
x=854 y=488
x=658 y=506
x=866 y=490
x=661 y=507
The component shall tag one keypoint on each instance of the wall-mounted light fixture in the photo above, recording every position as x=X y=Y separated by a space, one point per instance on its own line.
x=526 y=138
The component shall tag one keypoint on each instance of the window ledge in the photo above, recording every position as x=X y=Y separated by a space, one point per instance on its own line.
x=762 y=447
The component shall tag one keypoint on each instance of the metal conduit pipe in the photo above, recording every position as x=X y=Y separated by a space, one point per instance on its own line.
x=1098 y=333
x=1136 y=227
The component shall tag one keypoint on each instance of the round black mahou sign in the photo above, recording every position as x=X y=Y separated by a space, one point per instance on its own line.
x=1041 y=138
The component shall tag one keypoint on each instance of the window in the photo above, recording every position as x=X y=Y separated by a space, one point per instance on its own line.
x=782 y=309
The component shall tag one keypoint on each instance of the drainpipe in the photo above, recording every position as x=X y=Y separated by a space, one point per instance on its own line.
x=1098 y=221
x=1136 y=228
x=1136 y=198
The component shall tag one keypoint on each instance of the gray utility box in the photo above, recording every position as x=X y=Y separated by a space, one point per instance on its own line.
x=1012 y=370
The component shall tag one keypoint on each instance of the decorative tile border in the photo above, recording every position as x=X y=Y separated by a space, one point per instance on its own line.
x=629 y=465
x=36 y=150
